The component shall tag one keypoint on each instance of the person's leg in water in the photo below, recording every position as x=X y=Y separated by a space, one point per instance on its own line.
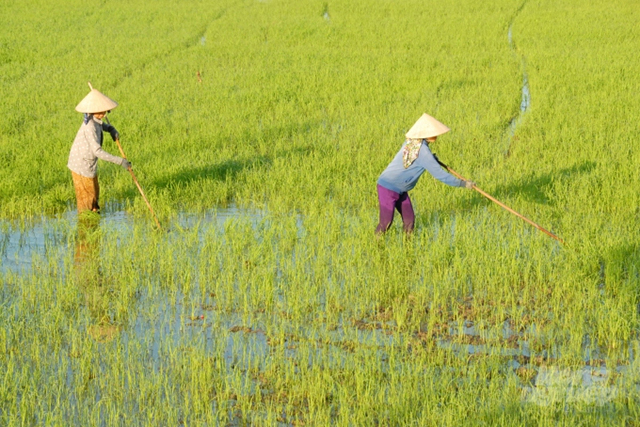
x=387 y=200
x=87 y=192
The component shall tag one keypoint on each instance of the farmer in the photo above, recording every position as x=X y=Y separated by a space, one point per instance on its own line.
x=87 y=149
x=405 y=169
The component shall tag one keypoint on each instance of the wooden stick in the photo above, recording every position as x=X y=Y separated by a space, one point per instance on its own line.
x=136 y=181
x=138 y=185
x=475 y=187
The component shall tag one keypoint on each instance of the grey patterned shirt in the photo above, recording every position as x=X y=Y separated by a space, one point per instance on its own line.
x=87 y=149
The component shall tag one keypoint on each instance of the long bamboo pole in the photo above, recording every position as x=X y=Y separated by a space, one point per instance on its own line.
x=135 y=180
x=475 y=187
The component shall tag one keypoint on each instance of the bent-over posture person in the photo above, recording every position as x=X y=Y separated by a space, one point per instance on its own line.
x=405 y=169
x=87 y=149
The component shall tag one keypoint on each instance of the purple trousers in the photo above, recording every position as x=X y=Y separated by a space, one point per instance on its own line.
x=389 y=201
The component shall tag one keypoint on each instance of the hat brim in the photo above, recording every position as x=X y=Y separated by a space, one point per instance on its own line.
x=96 y=102
x=427 y=127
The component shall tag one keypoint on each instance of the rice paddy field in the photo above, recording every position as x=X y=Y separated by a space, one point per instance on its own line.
x=258 y=129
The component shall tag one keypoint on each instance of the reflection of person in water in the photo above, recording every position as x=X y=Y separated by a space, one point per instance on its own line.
x=89 y=278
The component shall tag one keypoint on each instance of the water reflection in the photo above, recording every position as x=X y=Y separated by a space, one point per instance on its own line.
x=587 y=385
x=20 y=243
x=165 y=321
x=544 y=383
x=89 y=278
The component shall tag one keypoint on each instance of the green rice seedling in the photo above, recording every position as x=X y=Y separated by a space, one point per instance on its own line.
x=258 y=130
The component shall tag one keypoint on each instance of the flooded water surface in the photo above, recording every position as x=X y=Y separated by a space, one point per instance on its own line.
x=157 y=320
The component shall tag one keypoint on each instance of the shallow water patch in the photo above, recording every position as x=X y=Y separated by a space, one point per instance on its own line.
x=587 y=385
x=20 y=244
x=525 y=94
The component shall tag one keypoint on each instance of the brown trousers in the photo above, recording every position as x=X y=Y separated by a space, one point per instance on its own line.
x=87 y=192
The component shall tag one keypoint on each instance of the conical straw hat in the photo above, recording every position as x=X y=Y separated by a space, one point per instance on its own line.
x=426 y=127
x=96 y=102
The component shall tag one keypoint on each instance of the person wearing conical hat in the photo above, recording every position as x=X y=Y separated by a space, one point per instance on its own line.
x=87 y=149
x=405 y=169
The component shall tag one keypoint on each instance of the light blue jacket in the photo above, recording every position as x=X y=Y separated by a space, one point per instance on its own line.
x=396 y=178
